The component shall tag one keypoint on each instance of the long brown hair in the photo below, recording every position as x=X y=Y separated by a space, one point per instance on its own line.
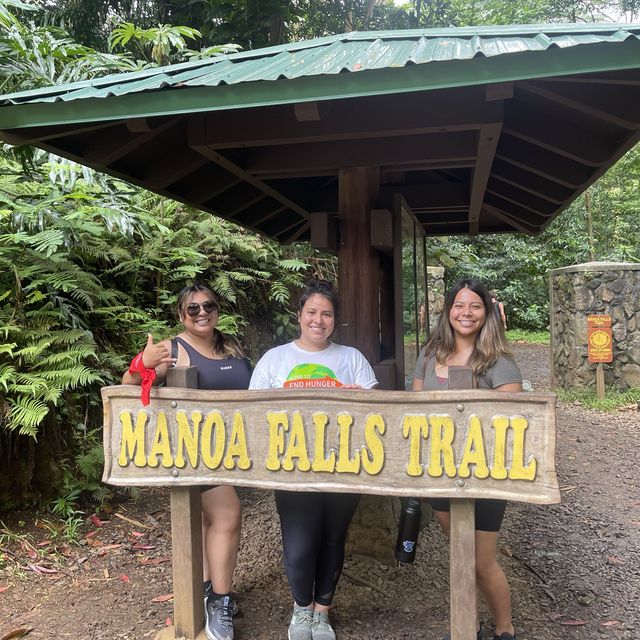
x=223 y=345
x=490 y=341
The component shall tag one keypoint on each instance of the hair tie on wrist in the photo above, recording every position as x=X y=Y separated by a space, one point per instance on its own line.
x=147 y=376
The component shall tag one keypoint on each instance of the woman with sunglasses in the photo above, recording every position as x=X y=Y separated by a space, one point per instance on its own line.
x=314 y=524
x=221 y=365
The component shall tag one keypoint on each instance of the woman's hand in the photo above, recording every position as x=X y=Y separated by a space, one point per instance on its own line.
x=155 y=354
x=352 y=386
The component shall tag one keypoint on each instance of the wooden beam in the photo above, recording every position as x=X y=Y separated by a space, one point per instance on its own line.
x=617 y=105
x=331 y=156
x=384 y=116
x=117 y=143
x=428 y=196
x=246 y=204
x=164 y=172
x=247 y=177
x=544 y=163
x=218 y=182
x=530 y=182
x=627 y=77
x=516 y=223
x=487 y=143
x=35 y=135
x=324 y=231
x=138 y=125
x=195 y=137
x=307 y=111
x=296 y=236
x=522 y=198
x=499 y=91
x=382 y=230
x=558 y=135
x=515 y=209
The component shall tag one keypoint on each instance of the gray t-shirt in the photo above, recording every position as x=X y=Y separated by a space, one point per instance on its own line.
x=503 y=371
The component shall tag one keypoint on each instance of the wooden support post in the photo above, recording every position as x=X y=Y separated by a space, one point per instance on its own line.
x=186 y=543
x=358 y=262
x=600 y=381
x=462 y=546
x=186 y=546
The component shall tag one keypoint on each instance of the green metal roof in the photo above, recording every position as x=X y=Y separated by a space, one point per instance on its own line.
x=480 y=129
x=355 y=53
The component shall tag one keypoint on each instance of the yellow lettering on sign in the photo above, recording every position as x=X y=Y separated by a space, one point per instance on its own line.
x=297 y=447
x=237 y=445
x=415 y=427
x=161 y=447
x=474 y=452
x=518 y=469
x=278 y=422
x=321 y=462
x=500 y=425
x=132 y=441
x=187 y=439
x=373 y=452
x=345 y=463
x=442 y=433
x=212 y=440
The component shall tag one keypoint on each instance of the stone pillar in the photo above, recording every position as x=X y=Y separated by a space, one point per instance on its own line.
x=594 y=288
x=435 y=292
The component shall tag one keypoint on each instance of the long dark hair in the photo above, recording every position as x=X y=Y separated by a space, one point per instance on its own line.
x=223 y=345
x=490 y=342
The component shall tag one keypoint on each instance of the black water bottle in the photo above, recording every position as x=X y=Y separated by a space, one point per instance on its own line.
x=408 y=530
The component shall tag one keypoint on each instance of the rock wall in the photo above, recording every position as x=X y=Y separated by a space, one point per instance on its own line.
x=594 y=288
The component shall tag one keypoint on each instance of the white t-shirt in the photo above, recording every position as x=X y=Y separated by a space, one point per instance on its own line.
x=295 y=368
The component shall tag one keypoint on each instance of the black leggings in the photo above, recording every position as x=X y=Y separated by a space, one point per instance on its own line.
x=314 y=530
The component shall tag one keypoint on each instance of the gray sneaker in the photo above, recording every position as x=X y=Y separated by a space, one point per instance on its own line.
x=219 y=621
x=300 y=625
x=321 y=629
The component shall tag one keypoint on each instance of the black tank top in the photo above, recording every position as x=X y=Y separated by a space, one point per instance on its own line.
x=228 y=373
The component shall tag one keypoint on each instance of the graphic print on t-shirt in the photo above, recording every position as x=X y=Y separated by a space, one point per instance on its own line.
x=311 y=376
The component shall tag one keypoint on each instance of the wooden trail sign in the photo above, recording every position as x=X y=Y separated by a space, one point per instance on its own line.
x=461 y=444
x=456 y=444
x=599 y=342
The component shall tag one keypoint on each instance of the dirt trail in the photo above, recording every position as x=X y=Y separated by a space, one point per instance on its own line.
x=574 y=568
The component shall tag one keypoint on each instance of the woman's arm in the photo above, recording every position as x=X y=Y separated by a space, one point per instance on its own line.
x=511 y=386
x=154 y=356
x=417 y=384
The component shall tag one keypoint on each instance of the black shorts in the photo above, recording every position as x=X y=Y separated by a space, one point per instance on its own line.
x=489 y=513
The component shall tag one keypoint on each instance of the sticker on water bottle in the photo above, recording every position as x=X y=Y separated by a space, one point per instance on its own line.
x=407 y=545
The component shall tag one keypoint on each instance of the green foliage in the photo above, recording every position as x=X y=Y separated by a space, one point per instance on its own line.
x=161 y=40
x=614 y=399
x=529 y=337
x=87 y=269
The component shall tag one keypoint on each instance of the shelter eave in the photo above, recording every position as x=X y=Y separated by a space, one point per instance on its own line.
x=174 y=100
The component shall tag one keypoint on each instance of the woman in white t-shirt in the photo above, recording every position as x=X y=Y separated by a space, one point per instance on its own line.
x=314 y=524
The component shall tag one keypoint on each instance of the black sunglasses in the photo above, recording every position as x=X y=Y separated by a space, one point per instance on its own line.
x=193 y=308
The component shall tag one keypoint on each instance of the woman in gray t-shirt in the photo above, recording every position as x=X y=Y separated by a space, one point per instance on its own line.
x=469 y=334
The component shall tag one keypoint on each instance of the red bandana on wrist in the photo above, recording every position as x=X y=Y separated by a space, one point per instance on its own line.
x=147 y=377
